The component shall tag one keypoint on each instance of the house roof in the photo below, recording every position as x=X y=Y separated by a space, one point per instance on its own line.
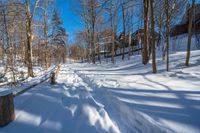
x=182 y=27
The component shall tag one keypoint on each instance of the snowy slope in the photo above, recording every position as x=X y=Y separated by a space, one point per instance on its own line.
x=121 y=98
x=172 y=99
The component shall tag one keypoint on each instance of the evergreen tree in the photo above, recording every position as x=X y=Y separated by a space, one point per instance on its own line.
x=58 y=37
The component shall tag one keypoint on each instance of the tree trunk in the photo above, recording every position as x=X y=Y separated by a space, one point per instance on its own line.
x=7 y=38
x=145 y=50
x=46 y=35
x=167 y=33
x=190 y=32
x=124 y=28
x=3 y=47
x=129 y=45
x=160 y=27
x=93 y=21
x=113 y=49
x=29 y=39
x=153 y=38
x=98 y=50
x=93 y=46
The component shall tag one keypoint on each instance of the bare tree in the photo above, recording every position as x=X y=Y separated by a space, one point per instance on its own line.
x=153 y=37
x=122 y=2
x=191 y=11
x=29 y=19
x=145 y=49
x=11 y=14
x=89 y=12
x=112 y=10
x=129 y=28
x=46 y=7
x=46 y=33
x=167 y=32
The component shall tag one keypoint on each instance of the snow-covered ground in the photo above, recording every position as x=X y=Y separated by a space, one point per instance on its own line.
x=20 y=73
x=121 y=98
x=170 y=98
x=40 y=76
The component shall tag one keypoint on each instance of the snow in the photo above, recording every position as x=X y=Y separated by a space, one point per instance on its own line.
x=179 y=43
x=20 y=73
x=172 y=99
x=4 y=92
x=28 y=83
x=121 y=98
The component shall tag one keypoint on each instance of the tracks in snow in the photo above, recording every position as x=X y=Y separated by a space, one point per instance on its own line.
x=76 y=104
x=78 y=99
x=83 y=97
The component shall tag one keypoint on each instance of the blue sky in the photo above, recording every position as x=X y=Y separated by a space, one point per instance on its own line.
x=71 y=20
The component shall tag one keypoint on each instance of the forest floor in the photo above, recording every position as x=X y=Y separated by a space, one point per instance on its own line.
x=121 y=98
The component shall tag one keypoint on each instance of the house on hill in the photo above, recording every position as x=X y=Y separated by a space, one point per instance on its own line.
x=138 y=38
x=105 y=41
x=182 y=27
x=179 y=32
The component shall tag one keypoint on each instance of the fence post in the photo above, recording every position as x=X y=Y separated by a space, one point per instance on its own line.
x=7 y=113
x=53 y=78
x=54 y=75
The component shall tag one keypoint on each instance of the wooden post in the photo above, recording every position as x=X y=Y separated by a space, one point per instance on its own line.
x=54 y=75
x=53 y=78
x=7 y=113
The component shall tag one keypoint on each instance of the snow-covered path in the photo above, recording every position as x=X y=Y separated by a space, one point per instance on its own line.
x=74 y=105
x=64 y=107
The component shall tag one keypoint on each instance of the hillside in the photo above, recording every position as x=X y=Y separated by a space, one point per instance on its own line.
x=121 y=98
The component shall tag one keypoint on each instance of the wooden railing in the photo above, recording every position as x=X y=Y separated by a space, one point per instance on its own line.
x=56 y=70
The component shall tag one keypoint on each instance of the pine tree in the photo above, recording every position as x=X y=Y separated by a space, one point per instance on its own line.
x=58 y=36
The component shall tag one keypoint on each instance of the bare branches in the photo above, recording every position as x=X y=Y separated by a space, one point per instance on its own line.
x=35 y=7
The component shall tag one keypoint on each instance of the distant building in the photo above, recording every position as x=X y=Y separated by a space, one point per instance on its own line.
x=105 y=41
x=182 y=27
x=138 y=37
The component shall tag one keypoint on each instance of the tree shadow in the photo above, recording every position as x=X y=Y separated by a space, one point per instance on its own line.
x=179 y=108
x=40 y=110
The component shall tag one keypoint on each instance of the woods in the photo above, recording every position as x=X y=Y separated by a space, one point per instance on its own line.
x=111 y=28
x=27 y=40
x=155 y=21
x=99 y=66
